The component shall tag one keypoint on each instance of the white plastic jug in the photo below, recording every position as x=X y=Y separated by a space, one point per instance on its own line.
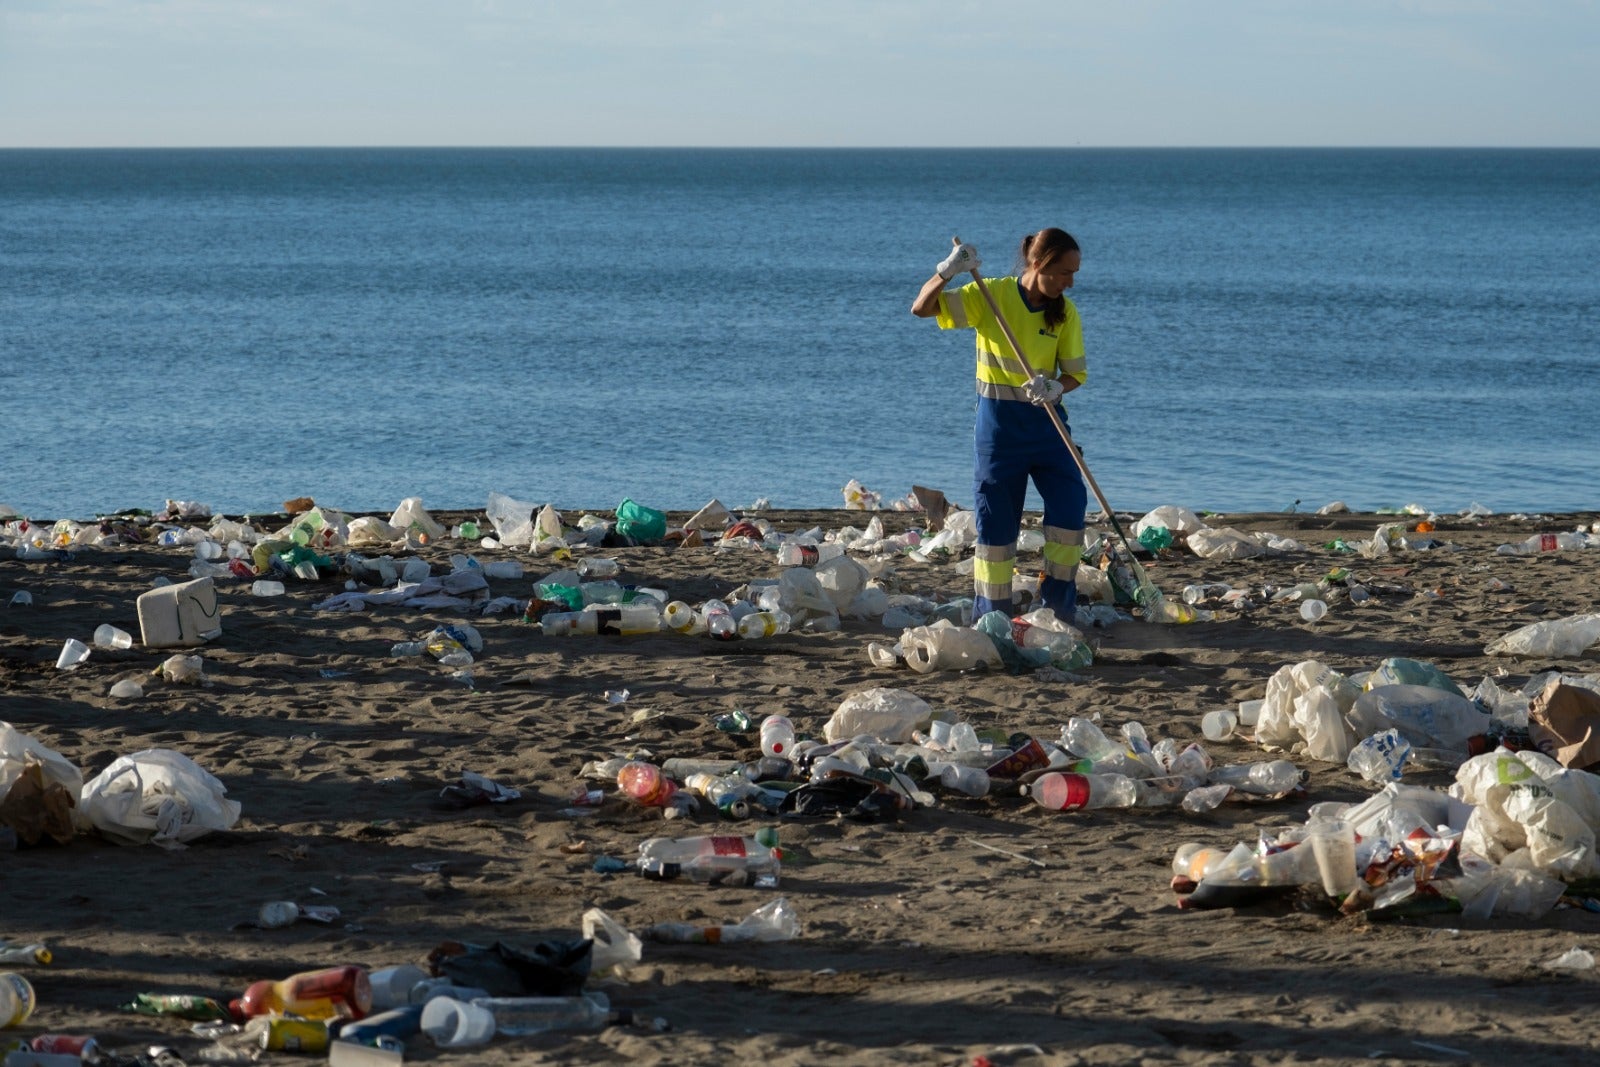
x=182 y=614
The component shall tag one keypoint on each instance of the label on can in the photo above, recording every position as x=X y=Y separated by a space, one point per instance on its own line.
x=293 y=1035
x=1548 y=543
x=79 y=1045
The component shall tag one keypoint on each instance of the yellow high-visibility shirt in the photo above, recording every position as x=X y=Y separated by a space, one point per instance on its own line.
x=1051 y=352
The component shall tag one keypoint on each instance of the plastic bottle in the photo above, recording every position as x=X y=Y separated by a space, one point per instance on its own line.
x=1069 y=792
x=732 y=794
x=791 y=554
x=638 y=617
x=405 y=649
x=314 y=994
x=682 y=618
x=763 y=624
x=1083 y=738
x=646 y=783
x=719 y=620
x=521 y=1016
x=1266 y=777
x=773 y=921
x=17 y=999
x=1545 y=543
x=266 y=587
x=777 y=735
x=721 y=859
x=599 y=567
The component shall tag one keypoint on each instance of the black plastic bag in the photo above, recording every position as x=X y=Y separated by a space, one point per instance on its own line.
x=551 y=969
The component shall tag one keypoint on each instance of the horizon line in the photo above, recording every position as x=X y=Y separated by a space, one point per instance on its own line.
x=806 y=148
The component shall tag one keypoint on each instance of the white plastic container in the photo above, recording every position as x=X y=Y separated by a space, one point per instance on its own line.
x=177 y=615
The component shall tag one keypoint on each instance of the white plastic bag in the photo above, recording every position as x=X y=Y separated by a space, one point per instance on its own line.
x=1179 y=520
x=1316 y=713
x=842 y=580
x=1559 y=638
x=891 y=714
x=157 y=796
x=411 y=515
x=614 y=944
x=1223 y=543
x=512 y=520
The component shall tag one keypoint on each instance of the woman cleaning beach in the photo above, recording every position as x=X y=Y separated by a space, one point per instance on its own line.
x=1014 y=437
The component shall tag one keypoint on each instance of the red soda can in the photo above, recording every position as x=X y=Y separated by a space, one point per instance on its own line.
x=80 y=1045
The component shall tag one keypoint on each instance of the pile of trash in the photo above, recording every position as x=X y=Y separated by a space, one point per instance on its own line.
x=1512 y=836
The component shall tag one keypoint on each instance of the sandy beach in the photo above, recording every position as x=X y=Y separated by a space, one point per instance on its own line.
x=976 y=930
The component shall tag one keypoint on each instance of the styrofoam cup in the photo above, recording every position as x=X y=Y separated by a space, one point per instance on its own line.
x=453 y=1023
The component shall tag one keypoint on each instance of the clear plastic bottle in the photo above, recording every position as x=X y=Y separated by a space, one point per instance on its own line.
x=721 y=859
x=1061 y=791
x=777 y=735
x=792 y=554
x=1083 y=738
x=1266 y=777
x=682 y=618
x=719 y=621
x=1545 y=543
x=599 y=567
x=732 y=794
x=522 y=1016
x=760 y=624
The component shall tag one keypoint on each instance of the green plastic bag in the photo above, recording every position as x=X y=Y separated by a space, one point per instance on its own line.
x=570 y=595
x=640 y=523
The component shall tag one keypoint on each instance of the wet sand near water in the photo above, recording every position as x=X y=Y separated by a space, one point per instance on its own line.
x=985 y=927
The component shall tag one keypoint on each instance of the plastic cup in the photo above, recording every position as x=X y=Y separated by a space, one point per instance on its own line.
x=127 y=689
x=108 y=636
x=208 y=550
x=73 y=653
x=1333 y=844
x=21 y=599
x=1312 y=610
x=1250 y=711
x=1218 y=725
x=453 y=1023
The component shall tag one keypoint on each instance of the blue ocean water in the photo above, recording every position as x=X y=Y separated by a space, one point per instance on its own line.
x=239 y=327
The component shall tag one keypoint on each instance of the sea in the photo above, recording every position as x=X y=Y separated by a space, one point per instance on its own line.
x=1266 y=329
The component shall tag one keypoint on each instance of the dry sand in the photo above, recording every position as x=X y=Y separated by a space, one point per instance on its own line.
x=918 y=946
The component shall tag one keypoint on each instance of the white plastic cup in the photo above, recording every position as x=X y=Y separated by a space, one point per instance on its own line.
x=73 y=653
x=1250 y=711
x=1218 y=725
x=108 y=636
x=1333 y=844
x=208 y=550
x=22 y=599
x=1312 y=610
x=127 y=689
x=453 y=1023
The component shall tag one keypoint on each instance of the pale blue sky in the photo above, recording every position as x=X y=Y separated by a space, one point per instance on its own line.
x=800 y=72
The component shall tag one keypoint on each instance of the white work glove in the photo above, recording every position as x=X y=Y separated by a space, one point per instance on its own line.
x=961 y=259
x=1044 y=392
